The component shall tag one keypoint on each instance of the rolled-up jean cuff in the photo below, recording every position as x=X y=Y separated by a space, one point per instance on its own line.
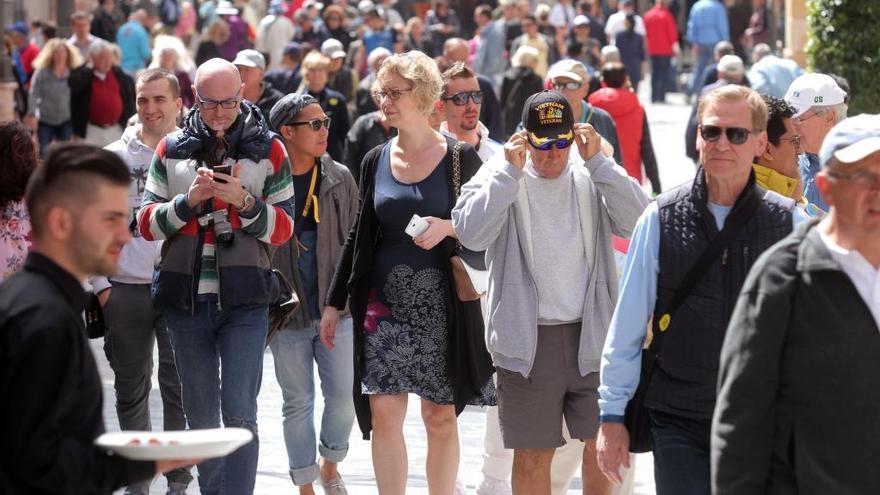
x=306 y=475
x=332 y=455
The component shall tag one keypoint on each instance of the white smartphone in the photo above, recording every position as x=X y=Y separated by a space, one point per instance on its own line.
x=416 y=226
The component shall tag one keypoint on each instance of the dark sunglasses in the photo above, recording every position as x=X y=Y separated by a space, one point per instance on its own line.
x=461 y=99
x=314 y=124
x=736 y=135
x=558 y=143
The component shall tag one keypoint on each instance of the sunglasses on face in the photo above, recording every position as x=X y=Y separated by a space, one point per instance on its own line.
x=209 y=104
x=461 y=99
x=393 y=93
x=557 y=143
x=571 y=86
x=736 y=135
x=314 y=124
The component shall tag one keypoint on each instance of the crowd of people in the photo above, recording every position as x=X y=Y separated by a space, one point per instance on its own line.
x=446 y=193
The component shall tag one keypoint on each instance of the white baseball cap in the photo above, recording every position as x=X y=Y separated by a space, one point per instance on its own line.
x=569 y=68
x=731 y=64
x=851 y=140
x=813 y=89
x=333 y=48
x=250 y=58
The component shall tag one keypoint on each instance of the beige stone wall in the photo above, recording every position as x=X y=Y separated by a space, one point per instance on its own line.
x=796 y=30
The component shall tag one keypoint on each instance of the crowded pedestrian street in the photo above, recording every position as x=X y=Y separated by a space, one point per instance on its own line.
x=439 y=247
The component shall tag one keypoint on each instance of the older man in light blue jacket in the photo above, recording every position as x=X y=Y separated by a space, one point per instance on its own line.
x=545 y=217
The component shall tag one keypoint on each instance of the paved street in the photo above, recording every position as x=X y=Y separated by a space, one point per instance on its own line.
x=667 y=128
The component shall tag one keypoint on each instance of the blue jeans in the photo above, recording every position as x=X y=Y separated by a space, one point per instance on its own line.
x=295 y=352
x=704 y=58
x=219 y=357
x=681 y=454
x=660 y=67
x=47 y=132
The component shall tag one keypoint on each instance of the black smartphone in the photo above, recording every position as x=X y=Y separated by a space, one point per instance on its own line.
x=223 y=169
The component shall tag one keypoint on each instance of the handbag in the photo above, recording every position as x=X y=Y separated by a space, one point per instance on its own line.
x=464 y=263
x=286 y=303
x=637 y=418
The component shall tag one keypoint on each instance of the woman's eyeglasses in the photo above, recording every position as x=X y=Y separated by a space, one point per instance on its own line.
x=736 y=135
x=209 y=104
x=314 y=124
x=393 y=93
x=461 y=99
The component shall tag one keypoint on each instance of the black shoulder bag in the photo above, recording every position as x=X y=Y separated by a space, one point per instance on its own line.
x=636 y=419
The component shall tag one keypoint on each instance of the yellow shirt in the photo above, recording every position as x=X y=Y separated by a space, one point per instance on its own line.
x=774 y=181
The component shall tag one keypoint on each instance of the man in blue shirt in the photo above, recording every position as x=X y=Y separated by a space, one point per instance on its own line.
x=134 y=42
x=819 y=103
x=707 y=25
x=770 y=74
x=670 y=236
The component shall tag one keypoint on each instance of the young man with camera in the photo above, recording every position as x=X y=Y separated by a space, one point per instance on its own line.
x=214 y=282
x=133 y=325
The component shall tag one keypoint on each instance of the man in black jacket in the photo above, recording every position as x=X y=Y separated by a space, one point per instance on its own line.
x=78 y=202
x=101 y=97
x=799 y=388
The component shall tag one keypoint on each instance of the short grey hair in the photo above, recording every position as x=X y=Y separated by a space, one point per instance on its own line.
x=98 y=46
x=839 y=111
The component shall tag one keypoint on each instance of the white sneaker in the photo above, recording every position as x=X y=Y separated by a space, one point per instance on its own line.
x=494 y=486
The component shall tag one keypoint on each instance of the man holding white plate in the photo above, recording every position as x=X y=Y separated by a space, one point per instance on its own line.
x=79 y=209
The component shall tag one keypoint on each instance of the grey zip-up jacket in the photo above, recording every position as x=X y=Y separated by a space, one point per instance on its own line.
x=492 y=214
x=337 y=204
x=49 y=97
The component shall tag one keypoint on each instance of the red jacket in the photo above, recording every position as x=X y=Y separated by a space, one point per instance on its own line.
x=662 y=31
x=629 y=116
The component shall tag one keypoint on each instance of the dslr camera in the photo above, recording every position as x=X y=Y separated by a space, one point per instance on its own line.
x=222 y=228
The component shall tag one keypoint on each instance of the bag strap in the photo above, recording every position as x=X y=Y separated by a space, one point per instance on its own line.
x=734 y=223
x=456 y=178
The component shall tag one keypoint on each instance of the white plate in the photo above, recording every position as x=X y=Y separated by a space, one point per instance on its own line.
x=194 y=444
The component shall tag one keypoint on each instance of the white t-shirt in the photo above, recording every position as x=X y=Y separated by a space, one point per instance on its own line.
x=561 y=15
x=863 y=275
x=616 y=23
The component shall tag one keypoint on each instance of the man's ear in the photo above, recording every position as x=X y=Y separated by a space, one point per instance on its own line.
x=59 y=223
x=767 y=155
x=823 y=184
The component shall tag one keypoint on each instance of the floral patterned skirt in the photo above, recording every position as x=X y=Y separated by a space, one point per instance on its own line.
x=407 y=338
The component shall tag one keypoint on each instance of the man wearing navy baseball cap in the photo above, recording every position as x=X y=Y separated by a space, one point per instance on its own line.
x=799 y=379
x=545 y=215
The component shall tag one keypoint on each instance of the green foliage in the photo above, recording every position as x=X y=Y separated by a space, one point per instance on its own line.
x=844 y=39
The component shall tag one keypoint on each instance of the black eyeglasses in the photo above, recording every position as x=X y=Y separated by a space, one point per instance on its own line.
x=863 y=178
x=314 y=124
x=393 y=93
x=461 y=99
x=736 y=135
x=571 y=86
x=209 y=104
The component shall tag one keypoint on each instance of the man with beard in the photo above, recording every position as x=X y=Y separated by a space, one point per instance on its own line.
x=460 y=103
x=133 y=325
x=79 y=212
x=219 y=192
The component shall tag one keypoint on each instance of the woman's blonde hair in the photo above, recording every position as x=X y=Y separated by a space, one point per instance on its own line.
x=315 y=59
x=218 y=31
x=44 y=59
x=165 y=42
x=422 y=74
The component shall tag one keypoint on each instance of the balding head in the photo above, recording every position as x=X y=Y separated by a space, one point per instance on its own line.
x=456 y=50
x=217 y=80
